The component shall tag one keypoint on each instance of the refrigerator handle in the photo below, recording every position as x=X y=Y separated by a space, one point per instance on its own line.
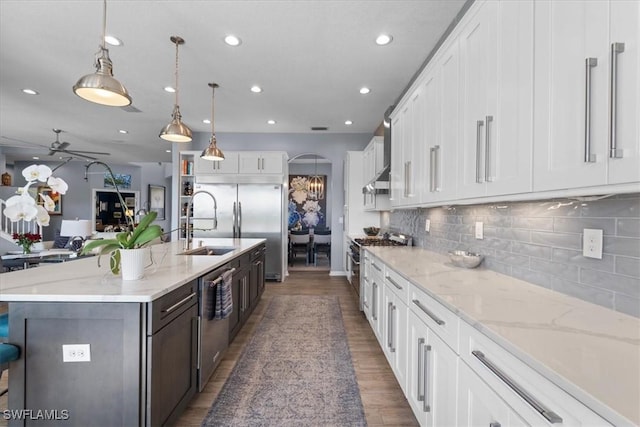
x=239 y=220
x=234 y=220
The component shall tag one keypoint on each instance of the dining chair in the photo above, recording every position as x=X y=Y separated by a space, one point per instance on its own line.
x=299 y=243
x=321 y=244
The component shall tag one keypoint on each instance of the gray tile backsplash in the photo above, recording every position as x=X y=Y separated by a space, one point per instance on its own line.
x=541 y=242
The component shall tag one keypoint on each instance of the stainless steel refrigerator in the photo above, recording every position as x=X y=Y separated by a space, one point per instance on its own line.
x=245 y=211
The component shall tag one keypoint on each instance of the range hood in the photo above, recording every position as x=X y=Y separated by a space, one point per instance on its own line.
x=380 y=184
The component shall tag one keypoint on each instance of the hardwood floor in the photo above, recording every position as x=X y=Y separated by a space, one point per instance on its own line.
x=383 y=401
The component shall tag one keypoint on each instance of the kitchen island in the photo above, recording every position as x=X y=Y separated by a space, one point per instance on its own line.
x=141 y=337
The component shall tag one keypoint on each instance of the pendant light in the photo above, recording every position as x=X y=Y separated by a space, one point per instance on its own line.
x=176 y=131
x=101 y=87
x=316 y=185
x=212 y=152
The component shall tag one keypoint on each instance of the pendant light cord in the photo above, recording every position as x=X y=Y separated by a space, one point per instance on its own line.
x=213 y=89
x=104 y=26
x=177 y=44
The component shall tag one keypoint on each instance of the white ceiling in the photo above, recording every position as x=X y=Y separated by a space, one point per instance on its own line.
x=310 y=57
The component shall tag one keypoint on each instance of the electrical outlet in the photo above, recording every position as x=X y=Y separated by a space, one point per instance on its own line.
x=592 y=243
x=76 y=353
x=479 y=230
x=427 y=225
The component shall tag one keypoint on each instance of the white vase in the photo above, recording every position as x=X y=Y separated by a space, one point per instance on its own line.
x=133 y=263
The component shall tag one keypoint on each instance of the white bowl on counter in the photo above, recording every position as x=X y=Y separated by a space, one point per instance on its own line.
x=465 y=259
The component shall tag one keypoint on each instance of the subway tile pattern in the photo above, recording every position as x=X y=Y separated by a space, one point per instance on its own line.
x=541 y=242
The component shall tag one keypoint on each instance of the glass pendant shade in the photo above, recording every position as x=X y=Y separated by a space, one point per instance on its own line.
x=212 y=152
x=101 y=87
x=176 y=131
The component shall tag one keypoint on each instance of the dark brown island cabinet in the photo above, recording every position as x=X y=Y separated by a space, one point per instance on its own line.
x=145 y=357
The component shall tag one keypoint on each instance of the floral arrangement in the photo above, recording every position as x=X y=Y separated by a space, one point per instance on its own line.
x=24 y=207
x=26 y=240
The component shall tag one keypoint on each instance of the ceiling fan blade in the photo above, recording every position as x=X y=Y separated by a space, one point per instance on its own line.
x=59 y=145
x=87 y=152
x=74 y=154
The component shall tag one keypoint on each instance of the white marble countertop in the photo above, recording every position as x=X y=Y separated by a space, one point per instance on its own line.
x=591 y=352
x=83 y=281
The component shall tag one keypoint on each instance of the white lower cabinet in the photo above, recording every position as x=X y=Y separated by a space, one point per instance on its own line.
x=479 y=405
x=395 y=335
x=534 y=398
x=432 y=376
x=376 y=310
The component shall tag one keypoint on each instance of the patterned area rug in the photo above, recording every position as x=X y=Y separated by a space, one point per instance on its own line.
x=295 y=371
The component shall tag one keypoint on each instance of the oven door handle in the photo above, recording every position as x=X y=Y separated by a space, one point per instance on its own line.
x=353 y=261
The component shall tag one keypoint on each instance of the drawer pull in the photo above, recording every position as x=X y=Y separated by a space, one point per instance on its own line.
x=179 y=303
x=394 y=283
x=375 y=266
x=550 y=416
x=428 y=312
x=494 y=424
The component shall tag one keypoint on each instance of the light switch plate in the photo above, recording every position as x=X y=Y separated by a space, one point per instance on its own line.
x=592 y=243
x=479 y=230
x=427 y=225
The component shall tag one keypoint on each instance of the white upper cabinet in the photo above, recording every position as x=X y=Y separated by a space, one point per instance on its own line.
x=227 y=166
x=587 y=94
x=261 y=162
x=496 y=63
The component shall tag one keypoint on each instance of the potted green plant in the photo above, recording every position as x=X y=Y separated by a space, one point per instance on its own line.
x=134 y=239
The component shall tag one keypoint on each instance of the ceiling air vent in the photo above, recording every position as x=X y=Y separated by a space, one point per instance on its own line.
x=319 y=128
x=131 y=109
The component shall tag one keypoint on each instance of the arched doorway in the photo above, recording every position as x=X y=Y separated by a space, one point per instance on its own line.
x=309 y=213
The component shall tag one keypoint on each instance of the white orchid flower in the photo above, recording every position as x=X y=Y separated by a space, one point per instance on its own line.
x=23 y=197
x=20 y=208
x=49 y=204
x=37 y=173
x=42 y=217
x=58 y=185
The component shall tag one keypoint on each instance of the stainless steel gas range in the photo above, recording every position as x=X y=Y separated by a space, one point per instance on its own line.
x=388 y=239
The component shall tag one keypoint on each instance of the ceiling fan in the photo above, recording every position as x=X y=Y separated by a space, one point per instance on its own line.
x=61 y=147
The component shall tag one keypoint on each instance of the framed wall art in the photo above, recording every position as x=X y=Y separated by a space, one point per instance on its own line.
x=156 y=200
x=55 y=196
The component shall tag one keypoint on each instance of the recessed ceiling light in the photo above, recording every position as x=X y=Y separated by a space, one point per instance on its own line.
x=169 y=89
x=30 y=91
x=36 y=158
x=348 y=122
x=256 y=89
x=232 y=40
x=207 y=121
x=167 y=151
x=123 y=131
x=364 y=90
x=113 y=40
x=271 y=122
x=383 y=39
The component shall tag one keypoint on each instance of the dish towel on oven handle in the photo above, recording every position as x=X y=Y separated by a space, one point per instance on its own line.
x=221 y=300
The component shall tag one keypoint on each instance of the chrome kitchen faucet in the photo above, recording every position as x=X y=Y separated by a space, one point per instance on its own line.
x=187 y=241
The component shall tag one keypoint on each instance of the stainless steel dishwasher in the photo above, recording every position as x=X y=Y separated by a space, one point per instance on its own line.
x=213 y=334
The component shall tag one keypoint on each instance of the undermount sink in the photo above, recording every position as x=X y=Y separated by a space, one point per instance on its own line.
x=209 y=250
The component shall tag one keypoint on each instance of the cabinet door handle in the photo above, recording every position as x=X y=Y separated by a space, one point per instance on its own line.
x=614 y=152
x=549 y=415
x=479 y=125
x=394 y=283
x=428 y=312
x=375 y=266
x=420 y=370
x=393 y=337
x=589 y=64
x=406 y=185
x=374 y=296
x=432 y=167
x=425 y=405
x=409 y=179
x=179 y=303
x=487 y=148
x=390 y=326
x=436 y=171
x=495 y=424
